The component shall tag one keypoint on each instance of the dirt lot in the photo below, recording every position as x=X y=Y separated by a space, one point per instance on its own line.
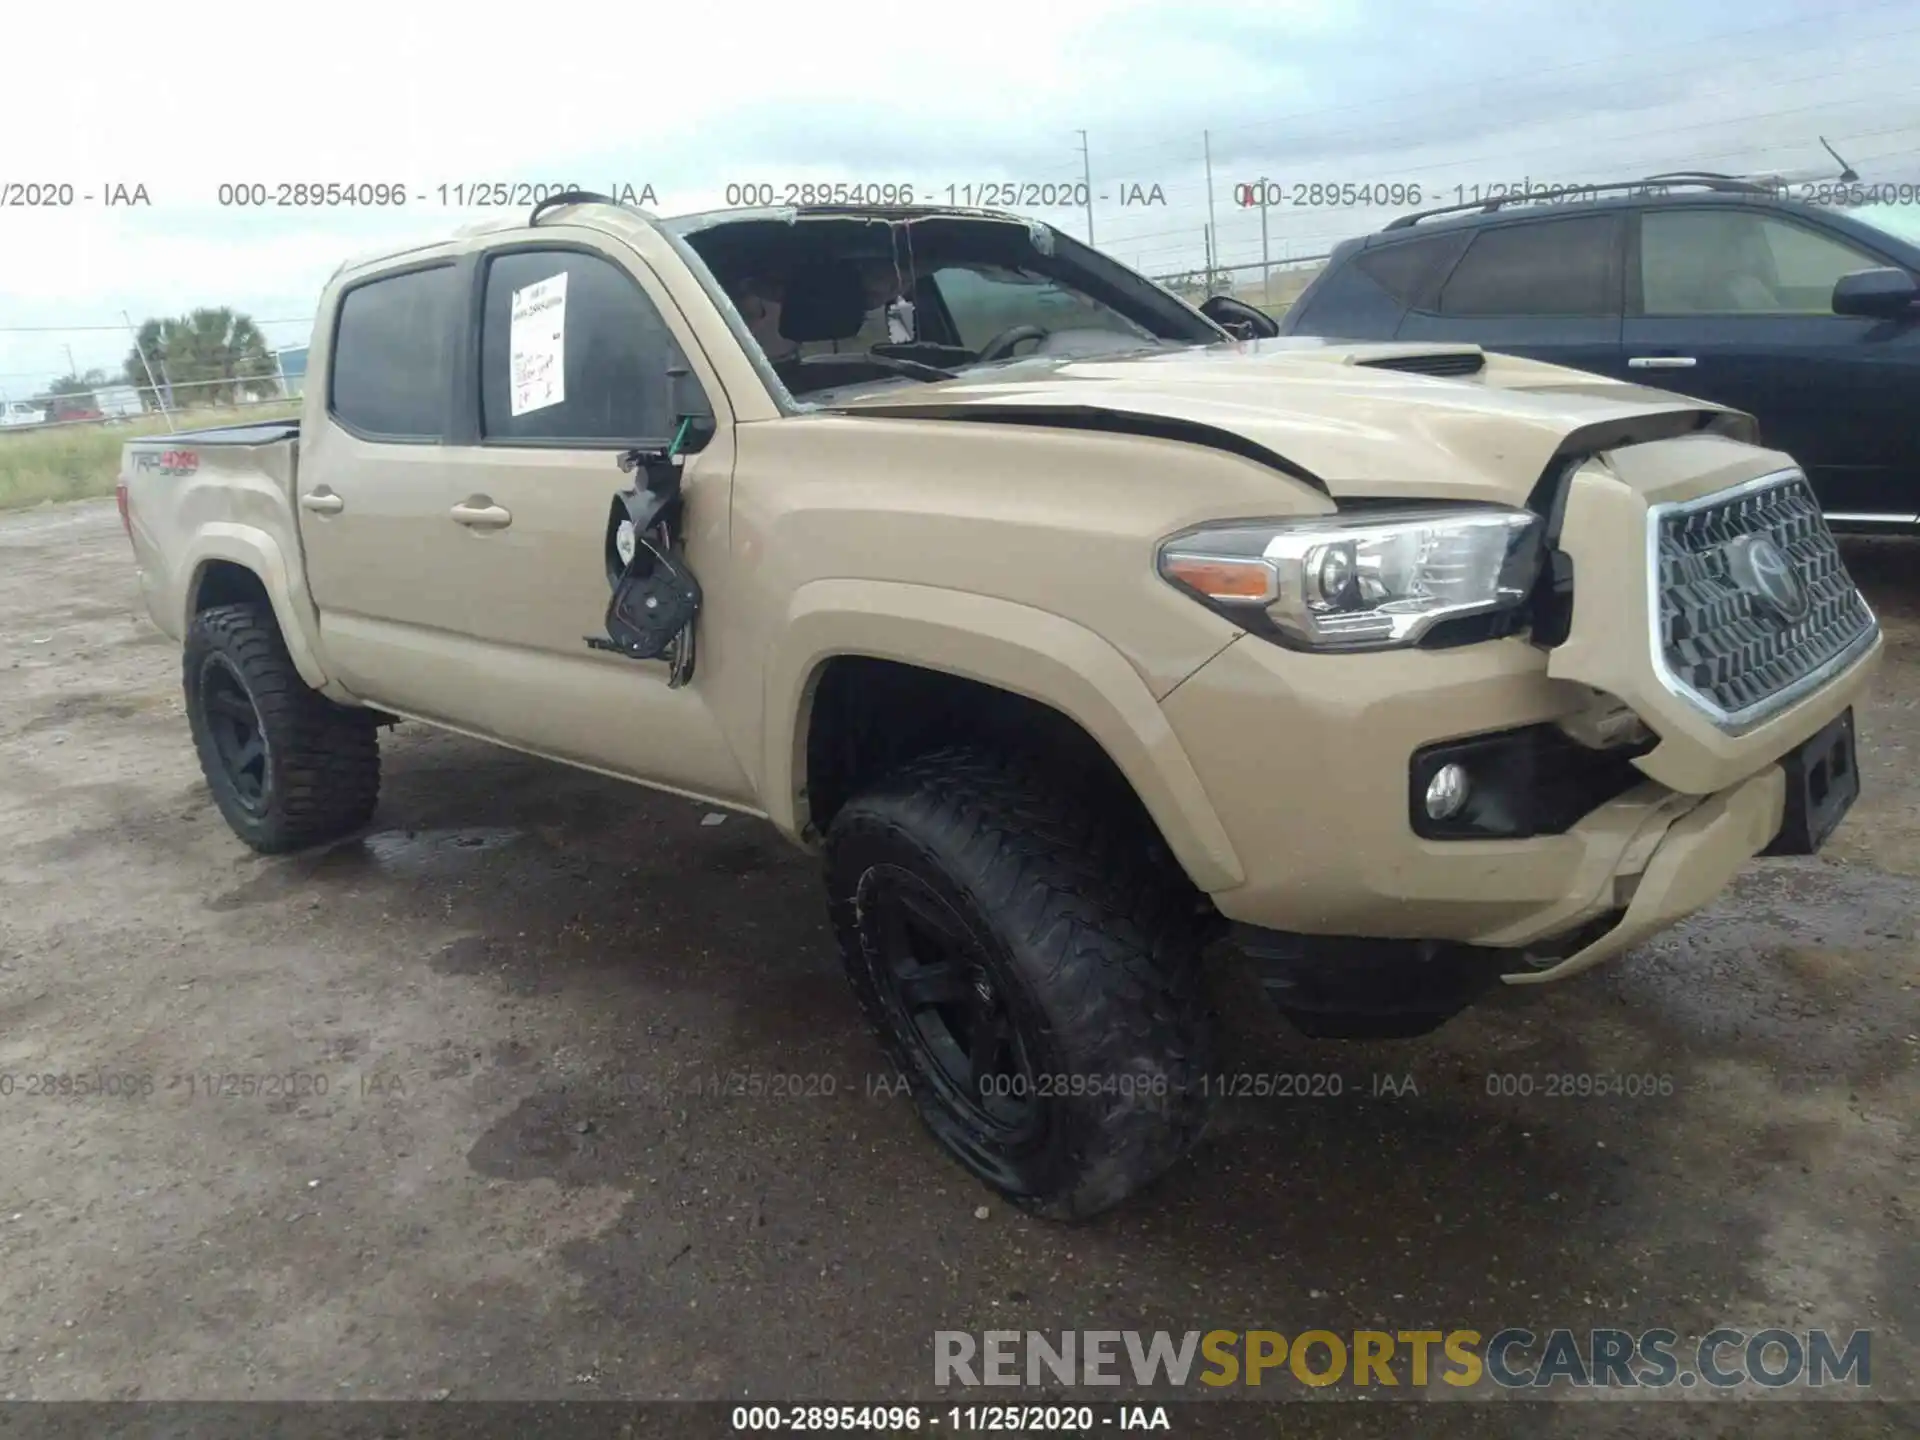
x=514 y=991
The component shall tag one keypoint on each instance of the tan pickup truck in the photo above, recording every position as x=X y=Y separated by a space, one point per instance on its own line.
x=1073 y=627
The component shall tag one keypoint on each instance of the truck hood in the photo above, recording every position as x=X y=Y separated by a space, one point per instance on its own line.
x=1354 y=419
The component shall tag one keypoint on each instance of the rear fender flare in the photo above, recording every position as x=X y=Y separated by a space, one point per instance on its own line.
x=254 y=550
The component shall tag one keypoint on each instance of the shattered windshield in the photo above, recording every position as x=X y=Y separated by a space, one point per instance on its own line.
x=847 y=303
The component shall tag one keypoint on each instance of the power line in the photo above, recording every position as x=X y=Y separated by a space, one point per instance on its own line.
x=76 y=329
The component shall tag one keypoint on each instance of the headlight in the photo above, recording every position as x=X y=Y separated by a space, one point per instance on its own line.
x=1371 y=580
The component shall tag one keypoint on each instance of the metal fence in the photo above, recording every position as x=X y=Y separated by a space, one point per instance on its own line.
x=1273 y=285
x=152 y=406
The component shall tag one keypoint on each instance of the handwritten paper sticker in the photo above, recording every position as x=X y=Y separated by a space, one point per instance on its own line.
x=538 y=345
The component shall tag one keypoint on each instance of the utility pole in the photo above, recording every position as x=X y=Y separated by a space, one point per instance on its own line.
x=1086 y=175
x=72 y=369
x=1213 y=224
x=1266 y=268
x=159 y=398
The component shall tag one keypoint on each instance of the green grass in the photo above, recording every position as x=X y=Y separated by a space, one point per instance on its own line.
x=78 y=462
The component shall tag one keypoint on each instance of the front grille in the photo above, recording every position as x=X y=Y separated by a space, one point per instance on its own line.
x=1737 y=653
x=1467 y=362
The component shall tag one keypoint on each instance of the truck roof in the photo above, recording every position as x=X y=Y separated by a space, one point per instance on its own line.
x=691 y=222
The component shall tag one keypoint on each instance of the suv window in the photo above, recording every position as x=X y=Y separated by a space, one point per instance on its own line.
x=1364 y=294
x=1542 y=267
x=1403 y=270
x=1717 y=262
x=571 y=348
x=985 y=300
x=390 y=367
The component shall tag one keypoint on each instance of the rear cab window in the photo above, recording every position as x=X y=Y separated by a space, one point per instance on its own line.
x=389 y=376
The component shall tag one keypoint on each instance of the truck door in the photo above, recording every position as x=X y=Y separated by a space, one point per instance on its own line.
x=369 y=475
x=573 y=354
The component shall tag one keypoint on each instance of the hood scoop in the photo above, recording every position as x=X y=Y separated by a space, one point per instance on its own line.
x=1443 y=362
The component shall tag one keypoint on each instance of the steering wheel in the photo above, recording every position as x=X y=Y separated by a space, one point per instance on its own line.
x=1000 y=345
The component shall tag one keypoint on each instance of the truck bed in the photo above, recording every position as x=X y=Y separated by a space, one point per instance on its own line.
x=233 y=482
x=267 y=432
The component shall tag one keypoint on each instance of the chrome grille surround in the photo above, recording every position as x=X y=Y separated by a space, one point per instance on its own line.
x=1713 y=645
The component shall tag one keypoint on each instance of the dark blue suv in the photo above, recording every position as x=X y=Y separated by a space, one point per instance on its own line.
x=1806 y=316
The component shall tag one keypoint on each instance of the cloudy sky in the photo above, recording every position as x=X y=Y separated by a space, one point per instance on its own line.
x=1445 y=95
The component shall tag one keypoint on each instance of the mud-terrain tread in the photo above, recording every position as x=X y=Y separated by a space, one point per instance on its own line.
x=326 y=776
x=1112 y=941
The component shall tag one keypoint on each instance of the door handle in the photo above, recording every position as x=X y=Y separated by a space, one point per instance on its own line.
x=1661 y=362
x=322 y=502
x=480 y=513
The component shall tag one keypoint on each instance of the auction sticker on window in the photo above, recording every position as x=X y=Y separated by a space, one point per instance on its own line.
x=537 y=344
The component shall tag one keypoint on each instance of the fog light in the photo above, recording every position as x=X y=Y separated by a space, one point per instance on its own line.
x=1447 y=792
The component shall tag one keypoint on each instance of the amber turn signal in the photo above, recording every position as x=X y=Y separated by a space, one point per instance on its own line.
x=1250 y=581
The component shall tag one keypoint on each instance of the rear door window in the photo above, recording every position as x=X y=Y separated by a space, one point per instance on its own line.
x=1541 y=267
x=391 y=365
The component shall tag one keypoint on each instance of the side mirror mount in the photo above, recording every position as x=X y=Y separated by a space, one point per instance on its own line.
x=1883 y=293
x=688 y=404
x=655 y=596
x=1233 y=314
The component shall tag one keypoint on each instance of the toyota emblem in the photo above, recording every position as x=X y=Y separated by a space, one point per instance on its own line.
x=1764 y=573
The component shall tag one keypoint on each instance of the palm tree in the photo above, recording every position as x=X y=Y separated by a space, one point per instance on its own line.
x=212 y=356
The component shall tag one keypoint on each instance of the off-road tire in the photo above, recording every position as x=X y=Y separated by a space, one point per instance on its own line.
x=1086 y=936
x=319 y=765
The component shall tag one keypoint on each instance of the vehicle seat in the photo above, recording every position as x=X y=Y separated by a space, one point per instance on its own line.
x=1749 y=280
x=825 y=300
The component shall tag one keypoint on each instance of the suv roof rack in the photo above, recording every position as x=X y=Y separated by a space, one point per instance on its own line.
x=1704 y=179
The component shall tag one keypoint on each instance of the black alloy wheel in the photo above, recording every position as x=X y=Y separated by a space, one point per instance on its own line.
x=239 y=739
x=936 y=977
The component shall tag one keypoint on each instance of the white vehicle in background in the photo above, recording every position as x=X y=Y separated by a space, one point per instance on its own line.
x=22 y=412
x=116 y=402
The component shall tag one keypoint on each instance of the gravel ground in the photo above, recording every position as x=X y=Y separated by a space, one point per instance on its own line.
x=472 y=1150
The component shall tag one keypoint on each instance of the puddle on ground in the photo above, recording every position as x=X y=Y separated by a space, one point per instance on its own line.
x=1816 y=964
x=386 y=854
x=412 y=852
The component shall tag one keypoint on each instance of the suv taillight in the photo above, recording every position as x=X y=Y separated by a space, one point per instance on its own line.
x=120 y=499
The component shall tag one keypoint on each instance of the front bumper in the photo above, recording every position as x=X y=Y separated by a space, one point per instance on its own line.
x=1693 y=860
x=1305 y=759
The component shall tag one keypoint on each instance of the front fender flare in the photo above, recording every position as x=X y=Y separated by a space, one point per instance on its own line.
x=254 y=549
x=1042 y=656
